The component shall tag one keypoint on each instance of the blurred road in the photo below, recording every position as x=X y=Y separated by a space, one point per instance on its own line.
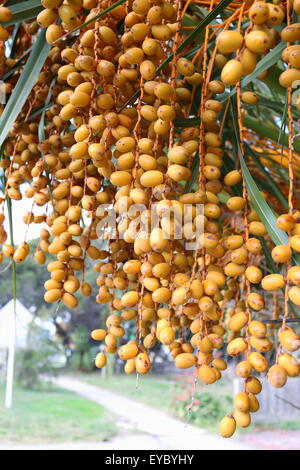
x=280 y=439
x=121 y=442
x=159 y=431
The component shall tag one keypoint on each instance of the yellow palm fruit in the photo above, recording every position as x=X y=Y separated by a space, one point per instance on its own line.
x=142 y=363
x=242 y=402
x=277 y=376
x=185 y=361
x=206 y=374
x=128 y=351
x=100 y=360
x=290 y=364
x=227 y=426
x=98 y=335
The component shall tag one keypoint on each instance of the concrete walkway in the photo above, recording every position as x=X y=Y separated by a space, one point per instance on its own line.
x=162 y=431
x=121 y=442
x=274 y=440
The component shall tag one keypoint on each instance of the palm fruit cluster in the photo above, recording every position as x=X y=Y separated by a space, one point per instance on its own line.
x=130 y=108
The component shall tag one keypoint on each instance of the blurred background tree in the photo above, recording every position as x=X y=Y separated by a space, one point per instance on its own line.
x=30 y=292
x=83 y=350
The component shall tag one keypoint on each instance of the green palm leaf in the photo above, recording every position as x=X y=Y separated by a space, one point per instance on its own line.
x=196 y=31
x=96 y=17
x=190 y=38
x=265 y=63
x=264 y=211
x=264 y=129
x=24 y=11
x=25 y=84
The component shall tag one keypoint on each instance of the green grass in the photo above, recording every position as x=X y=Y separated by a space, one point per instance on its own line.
x=151 y=390
x=285 y=425
x=290 y=425
x=52 y=415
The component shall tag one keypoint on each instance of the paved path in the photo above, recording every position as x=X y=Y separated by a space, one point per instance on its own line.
x=121 y=442
x=274 y=440
x=162 y=431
